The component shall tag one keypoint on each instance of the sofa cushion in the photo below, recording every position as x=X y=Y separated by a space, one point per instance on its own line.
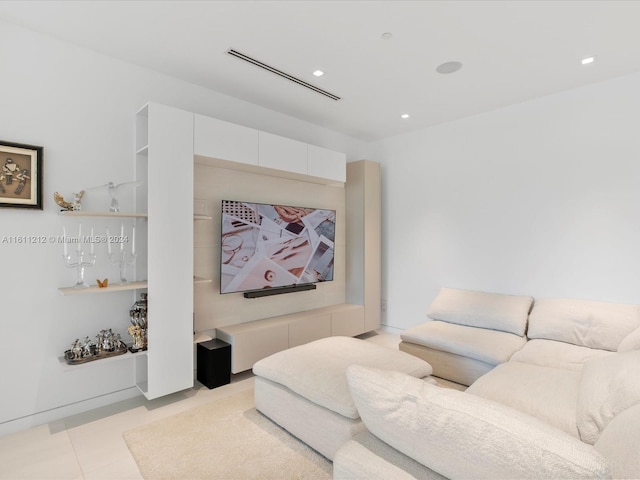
x=464 y=436
x=583 y=322
x=507 y=313
x=316 y=370
x=619 y=441
x=490 y=346
x=609 y=386
x=630 y=342
x=550 y=353
x=549 y=394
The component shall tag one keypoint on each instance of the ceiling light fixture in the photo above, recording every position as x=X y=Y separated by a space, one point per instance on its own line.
x=588 y=60
x=387 y=36
x=448 y=67
x=318 y=73
x=405 y=115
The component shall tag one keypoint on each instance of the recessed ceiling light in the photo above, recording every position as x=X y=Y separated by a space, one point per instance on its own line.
x=405 y=115
x=387 y=35
x=448 y=67
x=318 y=73
x=587 y=60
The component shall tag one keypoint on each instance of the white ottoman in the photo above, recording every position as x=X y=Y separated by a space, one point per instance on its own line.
x=305 y=390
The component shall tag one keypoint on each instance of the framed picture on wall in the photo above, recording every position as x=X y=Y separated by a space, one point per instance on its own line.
x=20 y=175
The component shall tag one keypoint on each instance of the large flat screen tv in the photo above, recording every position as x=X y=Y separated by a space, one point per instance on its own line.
x=268 y=246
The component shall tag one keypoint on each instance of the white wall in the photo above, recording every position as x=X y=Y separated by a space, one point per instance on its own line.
x=540 y=198
x=81 y=107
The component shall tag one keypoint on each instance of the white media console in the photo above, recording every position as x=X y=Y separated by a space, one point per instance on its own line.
x=255 y=340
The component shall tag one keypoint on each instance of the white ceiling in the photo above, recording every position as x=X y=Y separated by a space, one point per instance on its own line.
x=511 y=50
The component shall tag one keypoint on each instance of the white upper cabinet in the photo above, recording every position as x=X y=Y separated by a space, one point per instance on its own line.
x=225 y=141
x=244 y=146
x=282 y=153
x=325 y=163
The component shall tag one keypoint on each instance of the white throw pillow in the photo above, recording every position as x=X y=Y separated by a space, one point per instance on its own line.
x=506 y=313
x=630 y=342
x=464 y=436
x=609 y=386
x=587 y=323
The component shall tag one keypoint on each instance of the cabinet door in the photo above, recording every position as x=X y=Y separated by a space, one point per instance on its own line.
x=327 y=163
x=226 y=141
x=282 y=153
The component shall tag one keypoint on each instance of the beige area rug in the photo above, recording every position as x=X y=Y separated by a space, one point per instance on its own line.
x=224 y=439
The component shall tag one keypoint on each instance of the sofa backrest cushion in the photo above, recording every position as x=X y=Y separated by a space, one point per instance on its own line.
x=630 y=342
x=583 y=322
x=618 y=443
x=507 y=313
x=464 y=436
x=609 y=385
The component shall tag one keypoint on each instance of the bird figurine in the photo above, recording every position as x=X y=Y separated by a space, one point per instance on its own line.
x=113 y=191
x=75 y=205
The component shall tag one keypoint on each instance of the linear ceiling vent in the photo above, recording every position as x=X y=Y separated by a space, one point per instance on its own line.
x=271 y=69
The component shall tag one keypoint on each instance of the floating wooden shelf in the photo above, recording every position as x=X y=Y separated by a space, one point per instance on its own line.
x=68 y=368
x=82 y=213
x=97 y=289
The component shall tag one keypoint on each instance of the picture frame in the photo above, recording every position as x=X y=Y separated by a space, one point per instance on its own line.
x=20 y=175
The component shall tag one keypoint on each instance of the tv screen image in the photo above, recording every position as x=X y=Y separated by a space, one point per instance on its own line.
x=269 y=246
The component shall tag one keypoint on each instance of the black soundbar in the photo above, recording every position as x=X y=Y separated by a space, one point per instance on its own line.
x=265 y=292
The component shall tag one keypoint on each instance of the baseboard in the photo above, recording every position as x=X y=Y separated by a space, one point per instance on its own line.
x=58 y=413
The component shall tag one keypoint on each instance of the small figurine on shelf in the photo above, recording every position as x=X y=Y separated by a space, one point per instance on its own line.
x=76 y=349
x=89 y=348
x=138 y=327
x=109 y=345
x=68 y=206
x=113 y=189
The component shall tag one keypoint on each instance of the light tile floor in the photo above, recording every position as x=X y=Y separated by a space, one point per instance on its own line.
x=90 y=445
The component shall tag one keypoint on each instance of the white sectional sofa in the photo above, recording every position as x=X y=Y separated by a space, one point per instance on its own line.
x=555 y=393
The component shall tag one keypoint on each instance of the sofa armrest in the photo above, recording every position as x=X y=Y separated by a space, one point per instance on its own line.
x=460 y=435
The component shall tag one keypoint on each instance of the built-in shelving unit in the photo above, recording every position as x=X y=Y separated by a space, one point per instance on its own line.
x=166 y=137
